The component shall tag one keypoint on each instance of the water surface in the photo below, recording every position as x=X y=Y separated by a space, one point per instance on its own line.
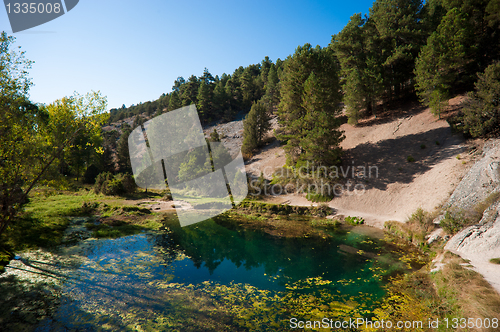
x=157 y=279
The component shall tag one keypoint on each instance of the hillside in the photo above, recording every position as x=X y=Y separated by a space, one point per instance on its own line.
x=385 y=142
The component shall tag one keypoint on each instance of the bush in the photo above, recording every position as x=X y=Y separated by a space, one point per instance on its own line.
x=419 y=224
x=259 y=186
x=120 y=184
x=316 y=198
x=495 y=260
x=91 y=174
x=322 y=210
x=354 y=220
x=410 y=159
x=453 y=222
x=128 y=183
x=101 y=181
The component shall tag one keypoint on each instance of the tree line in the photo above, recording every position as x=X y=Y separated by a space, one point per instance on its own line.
x=402 y=48
x=215 y=97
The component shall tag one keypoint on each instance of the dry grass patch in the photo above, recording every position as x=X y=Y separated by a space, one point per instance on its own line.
x=464 y=292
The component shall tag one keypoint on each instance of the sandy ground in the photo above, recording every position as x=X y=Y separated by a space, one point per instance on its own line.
x=400 y=187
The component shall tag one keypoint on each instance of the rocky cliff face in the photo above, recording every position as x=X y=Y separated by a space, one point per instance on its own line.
x=481 y=239
x=482 y=179
x=480 y=243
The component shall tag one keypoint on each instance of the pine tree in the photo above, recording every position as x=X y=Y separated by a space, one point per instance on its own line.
x=122 y=151
x=353 y=96
x=481 y=114
x=493 y=13
x=264 y=70
x=399 y=33
x=220 y=99
x=442 y=59
x=247 y=87
x=204 y=100
x=272 y=97
x=233 y=94
x=189 y=91
x=255 y=127
x=309 y=115
x=358 y=52
x=174 y=102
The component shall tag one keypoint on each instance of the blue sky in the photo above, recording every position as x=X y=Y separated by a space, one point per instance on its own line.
x=132 y=51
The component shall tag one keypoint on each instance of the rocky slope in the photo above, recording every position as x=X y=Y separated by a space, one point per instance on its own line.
x=480 y=243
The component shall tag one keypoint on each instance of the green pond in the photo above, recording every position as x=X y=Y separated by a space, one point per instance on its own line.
x=206 y=277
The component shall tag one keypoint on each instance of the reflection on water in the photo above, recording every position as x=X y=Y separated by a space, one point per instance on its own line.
x=222 y=255
x=157 y=279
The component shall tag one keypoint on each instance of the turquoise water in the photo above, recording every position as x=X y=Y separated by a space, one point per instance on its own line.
x=136 y=275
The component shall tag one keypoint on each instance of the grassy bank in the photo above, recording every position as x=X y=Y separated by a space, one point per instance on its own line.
x=45 y=219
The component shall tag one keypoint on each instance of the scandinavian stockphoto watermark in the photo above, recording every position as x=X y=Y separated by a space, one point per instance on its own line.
x=325 y=180
x=24 y=15
x=171 y=149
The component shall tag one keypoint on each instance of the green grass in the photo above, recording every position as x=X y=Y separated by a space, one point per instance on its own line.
x=41 y=224
x=43 y=221
x=46 y=217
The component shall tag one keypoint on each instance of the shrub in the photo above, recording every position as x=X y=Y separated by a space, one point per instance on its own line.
x=128 y=183
x=418 y=225
x=410 y=159
x=101 y=181
x=453 y=222
x=354 y=220
x=259 y=186
x=313 y=197
x=479 y=209
x=108 y=184
x=495 y=260
x=422 y=146
x=322 y=210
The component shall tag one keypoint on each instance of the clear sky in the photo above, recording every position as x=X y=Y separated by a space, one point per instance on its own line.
x=132 y=51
